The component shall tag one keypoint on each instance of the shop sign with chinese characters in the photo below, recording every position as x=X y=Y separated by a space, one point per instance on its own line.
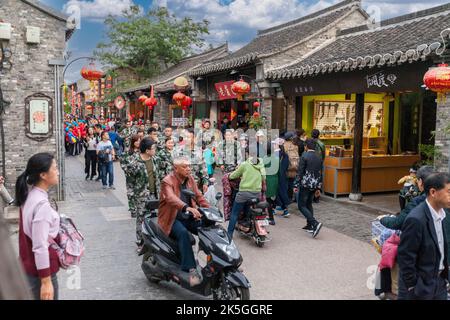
x=380 y=80
x=224 y=90
x=38 y=116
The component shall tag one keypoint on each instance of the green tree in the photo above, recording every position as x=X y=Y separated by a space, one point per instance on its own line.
x=149 y=42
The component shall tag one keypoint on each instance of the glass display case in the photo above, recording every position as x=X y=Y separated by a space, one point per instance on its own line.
x=336 y=122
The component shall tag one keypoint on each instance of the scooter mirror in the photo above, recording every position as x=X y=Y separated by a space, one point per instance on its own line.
x=219 y=196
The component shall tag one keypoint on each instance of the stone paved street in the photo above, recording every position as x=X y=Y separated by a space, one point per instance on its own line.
x=291 y=266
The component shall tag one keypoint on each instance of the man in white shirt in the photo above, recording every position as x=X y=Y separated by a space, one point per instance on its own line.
x=423 y=250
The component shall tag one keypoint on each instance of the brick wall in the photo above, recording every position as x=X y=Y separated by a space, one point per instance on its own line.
x=30 y=74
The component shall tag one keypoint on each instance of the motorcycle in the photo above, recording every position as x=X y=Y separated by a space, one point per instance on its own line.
x=254 y=226
x=220 y=274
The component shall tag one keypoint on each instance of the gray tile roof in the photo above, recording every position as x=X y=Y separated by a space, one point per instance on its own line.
x=165 y=80
x=273 y=40
x=399 y=40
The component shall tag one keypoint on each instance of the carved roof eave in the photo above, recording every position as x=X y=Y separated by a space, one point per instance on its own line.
x=353 y=63
x=227 y=64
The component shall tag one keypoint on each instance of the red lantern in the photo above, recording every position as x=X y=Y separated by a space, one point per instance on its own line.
x=256 y=115
x=256 y=104
x=438 y=80
x=187 y=102
x=143 y=98
x=151 y=102
x=178 y=98
x=240 y=88
x=90 y=73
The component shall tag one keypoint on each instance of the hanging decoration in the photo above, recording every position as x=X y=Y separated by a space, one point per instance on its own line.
x=151 y=102
x=240 y=88
x=233 y=114
x=142 y=98
x=91 y=74
x=437 y=79
x=181 y=84
x=256 y=104
x=179 y=98
x=187 y=102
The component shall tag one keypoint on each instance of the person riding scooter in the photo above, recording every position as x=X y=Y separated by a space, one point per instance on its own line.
x=252 y=174
x=174 y=205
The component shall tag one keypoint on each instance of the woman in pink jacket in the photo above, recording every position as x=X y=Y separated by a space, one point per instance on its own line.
x=39 y=222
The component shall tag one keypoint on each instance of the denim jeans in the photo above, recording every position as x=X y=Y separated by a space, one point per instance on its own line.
x=237 y=208
x=180 y=232
x=305 y=200
x=107 y=169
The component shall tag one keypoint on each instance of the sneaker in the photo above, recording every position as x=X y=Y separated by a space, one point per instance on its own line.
x=105 y=187
x=272 y=222
x=285 y=214
x=112 y=187
x=308 y=228
x=194 y=278
x=92 y=178
x=87 y=177
x=317 y=230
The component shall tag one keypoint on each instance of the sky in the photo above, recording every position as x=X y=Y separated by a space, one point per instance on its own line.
x=235 y=21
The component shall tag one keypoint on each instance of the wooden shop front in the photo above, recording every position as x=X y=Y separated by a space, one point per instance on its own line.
x=372 y=119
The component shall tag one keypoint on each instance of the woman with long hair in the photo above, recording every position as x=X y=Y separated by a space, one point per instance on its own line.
x=39 y=222
x=90 y=143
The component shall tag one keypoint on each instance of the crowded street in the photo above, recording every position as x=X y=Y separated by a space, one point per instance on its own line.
x=336 y=266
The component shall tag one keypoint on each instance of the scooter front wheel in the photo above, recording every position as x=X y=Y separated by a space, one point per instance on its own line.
x=228 y=292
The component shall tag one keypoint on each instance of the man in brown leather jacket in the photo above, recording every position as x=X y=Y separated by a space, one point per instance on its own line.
x=172 y=204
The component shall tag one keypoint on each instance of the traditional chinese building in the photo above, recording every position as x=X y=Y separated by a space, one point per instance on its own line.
x=364 y=91
x=271 y=49
x=166 y=112
x=32 y=45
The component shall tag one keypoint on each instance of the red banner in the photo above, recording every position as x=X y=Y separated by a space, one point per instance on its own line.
x=224 y=90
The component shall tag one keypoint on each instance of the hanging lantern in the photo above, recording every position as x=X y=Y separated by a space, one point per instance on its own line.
x=142 y=98
x=187 y=102
x=256 y=115
x=151 y=102
x=438 y=80
x=178 y=98
x=240 y=88
x=91 y=74
x=256 y=104
x=181 y=83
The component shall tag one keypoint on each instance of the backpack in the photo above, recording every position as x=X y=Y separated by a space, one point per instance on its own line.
x=294 y=159
x=69 y=245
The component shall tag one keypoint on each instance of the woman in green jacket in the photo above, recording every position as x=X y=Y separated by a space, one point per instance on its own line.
x=252 y=174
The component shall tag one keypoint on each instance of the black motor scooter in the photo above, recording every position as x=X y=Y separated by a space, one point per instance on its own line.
x=254 y=224
x=220 y=276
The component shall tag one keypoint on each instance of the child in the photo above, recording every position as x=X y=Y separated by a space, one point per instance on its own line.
x=410 y=189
